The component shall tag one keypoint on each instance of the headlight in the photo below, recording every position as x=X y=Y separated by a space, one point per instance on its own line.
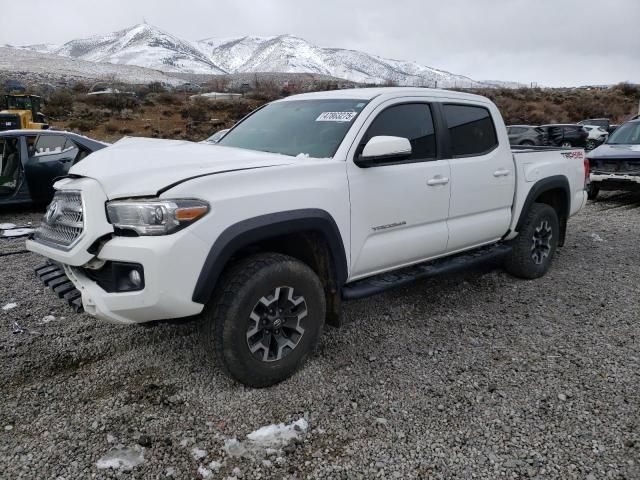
x=155 y=216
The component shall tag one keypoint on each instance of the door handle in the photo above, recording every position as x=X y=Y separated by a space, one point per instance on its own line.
x=501 y=172
x=437 y=180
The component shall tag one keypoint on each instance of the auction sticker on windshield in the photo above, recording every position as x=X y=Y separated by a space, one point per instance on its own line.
x=336 y=116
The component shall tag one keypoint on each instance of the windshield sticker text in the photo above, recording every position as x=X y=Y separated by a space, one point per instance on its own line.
x=336 y=116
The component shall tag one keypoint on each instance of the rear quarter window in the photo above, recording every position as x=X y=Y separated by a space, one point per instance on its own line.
x=471 y=130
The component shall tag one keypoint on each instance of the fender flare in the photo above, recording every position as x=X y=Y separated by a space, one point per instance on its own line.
x=542 y=186
x=263 y=227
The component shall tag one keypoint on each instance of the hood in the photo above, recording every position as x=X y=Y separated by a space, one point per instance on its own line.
x=136 y=167
x=609 y=151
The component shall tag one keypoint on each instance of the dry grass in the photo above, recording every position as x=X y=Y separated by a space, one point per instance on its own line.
x=159 y=114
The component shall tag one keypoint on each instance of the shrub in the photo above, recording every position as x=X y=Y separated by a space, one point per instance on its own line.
x=114 y=101
x=110 y=128
x=59 y=104
x=82 y=125
x=198 y=110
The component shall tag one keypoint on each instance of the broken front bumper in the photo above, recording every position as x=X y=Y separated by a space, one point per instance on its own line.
x=54 y=277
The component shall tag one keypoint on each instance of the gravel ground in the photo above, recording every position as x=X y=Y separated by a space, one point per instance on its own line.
x=473 y=376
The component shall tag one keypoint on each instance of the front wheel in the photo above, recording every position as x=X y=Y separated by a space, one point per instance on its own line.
x=536 y=243
x=264 y=319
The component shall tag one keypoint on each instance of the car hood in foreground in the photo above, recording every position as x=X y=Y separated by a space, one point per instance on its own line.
x=610 y=151
x=136 y=167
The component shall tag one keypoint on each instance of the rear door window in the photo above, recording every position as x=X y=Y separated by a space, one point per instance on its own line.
x=471 y=130
x=54 y=147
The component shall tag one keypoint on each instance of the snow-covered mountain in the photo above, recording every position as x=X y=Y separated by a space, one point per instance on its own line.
x=142 y=45
x=147 y=46
x=287 y=53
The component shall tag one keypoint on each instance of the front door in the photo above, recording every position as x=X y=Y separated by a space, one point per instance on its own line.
x=399 y=211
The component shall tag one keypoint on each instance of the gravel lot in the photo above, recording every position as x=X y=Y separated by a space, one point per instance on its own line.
x=474 y=376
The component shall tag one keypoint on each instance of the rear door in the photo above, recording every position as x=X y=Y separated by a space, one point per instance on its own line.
x=399 y=210
x=482 y=177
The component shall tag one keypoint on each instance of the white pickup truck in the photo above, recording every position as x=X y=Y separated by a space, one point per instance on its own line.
x=308 y=201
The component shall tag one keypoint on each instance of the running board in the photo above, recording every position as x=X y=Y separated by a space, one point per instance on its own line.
x=53 y=276
x=397 y=278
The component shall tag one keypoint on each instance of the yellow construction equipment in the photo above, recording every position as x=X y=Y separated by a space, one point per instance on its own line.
x=22 y=111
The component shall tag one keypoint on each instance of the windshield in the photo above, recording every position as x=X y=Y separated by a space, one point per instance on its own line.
x=627 y=134
x=18 y=103
x=308 y=127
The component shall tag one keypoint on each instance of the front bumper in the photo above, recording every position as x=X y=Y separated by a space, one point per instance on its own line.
x=171 y=265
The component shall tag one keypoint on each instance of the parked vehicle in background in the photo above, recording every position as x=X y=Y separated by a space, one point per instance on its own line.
x=30 y=161
x=22 y=111
x=615 y=165
x=308 y=201
x=566 y=135
x=600 y=122
x=526 y=135
x=597 y=136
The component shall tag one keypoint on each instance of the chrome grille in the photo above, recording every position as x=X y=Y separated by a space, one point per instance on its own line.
x=63 y=222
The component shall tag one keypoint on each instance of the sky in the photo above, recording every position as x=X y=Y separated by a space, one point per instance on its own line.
x=549 y=42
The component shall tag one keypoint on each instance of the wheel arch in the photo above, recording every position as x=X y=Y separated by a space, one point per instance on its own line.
x=311 y=235
x=555 y=192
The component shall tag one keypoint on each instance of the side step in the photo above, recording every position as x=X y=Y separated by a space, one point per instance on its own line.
x=457 y=263
x=53 y=276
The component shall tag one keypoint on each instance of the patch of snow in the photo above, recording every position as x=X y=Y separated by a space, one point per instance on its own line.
x=596 y=237
x=234 y=448
x=278 y=435
x=204 y=472
x=9 y=306
x=47 y=319
x=125 y=459
x=198 y=453
x=17 y=232
x=215 y=465
x=266 y=440
x=7 y=226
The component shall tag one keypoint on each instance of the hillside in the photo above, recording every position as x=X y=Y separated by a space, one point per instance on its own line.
x=150 y=47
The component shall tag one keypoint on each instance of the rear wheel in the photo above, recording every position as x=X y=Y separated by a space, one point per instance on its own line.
x=591 y=144
x=536 y=243
x=526 y=143
x=566 y=144
x=264 y=319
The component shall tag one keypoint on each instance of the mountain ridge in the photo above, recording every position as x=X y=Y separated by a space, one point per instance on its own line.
x=151 y=47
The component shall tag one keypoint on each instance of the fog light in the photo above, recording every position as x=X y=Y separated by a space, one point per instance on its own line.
x=135 y=278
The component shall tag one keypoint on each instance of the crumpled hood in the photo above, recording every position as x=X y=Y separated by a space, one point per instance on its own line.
x=608 y=151
x=143 y=166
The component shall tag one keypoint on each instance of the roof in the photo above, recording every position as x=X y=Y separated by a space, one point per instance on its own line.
x=370 y=93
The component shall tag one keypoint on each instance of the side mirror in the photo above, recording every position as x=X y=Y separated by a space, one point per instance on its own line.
x=383 y=149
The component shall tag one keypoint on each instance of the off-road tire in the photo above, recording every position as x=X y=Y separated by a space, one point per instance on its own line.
x=520 y=261
x=593 y=190
x=226 y=318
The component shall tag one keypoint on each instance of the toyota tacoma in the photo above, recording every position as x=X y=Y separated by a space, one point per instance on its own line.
x=308 y=201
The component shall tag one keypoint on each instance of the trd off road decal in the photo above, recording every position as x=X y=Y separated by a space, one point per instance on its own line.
x=336 y=116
